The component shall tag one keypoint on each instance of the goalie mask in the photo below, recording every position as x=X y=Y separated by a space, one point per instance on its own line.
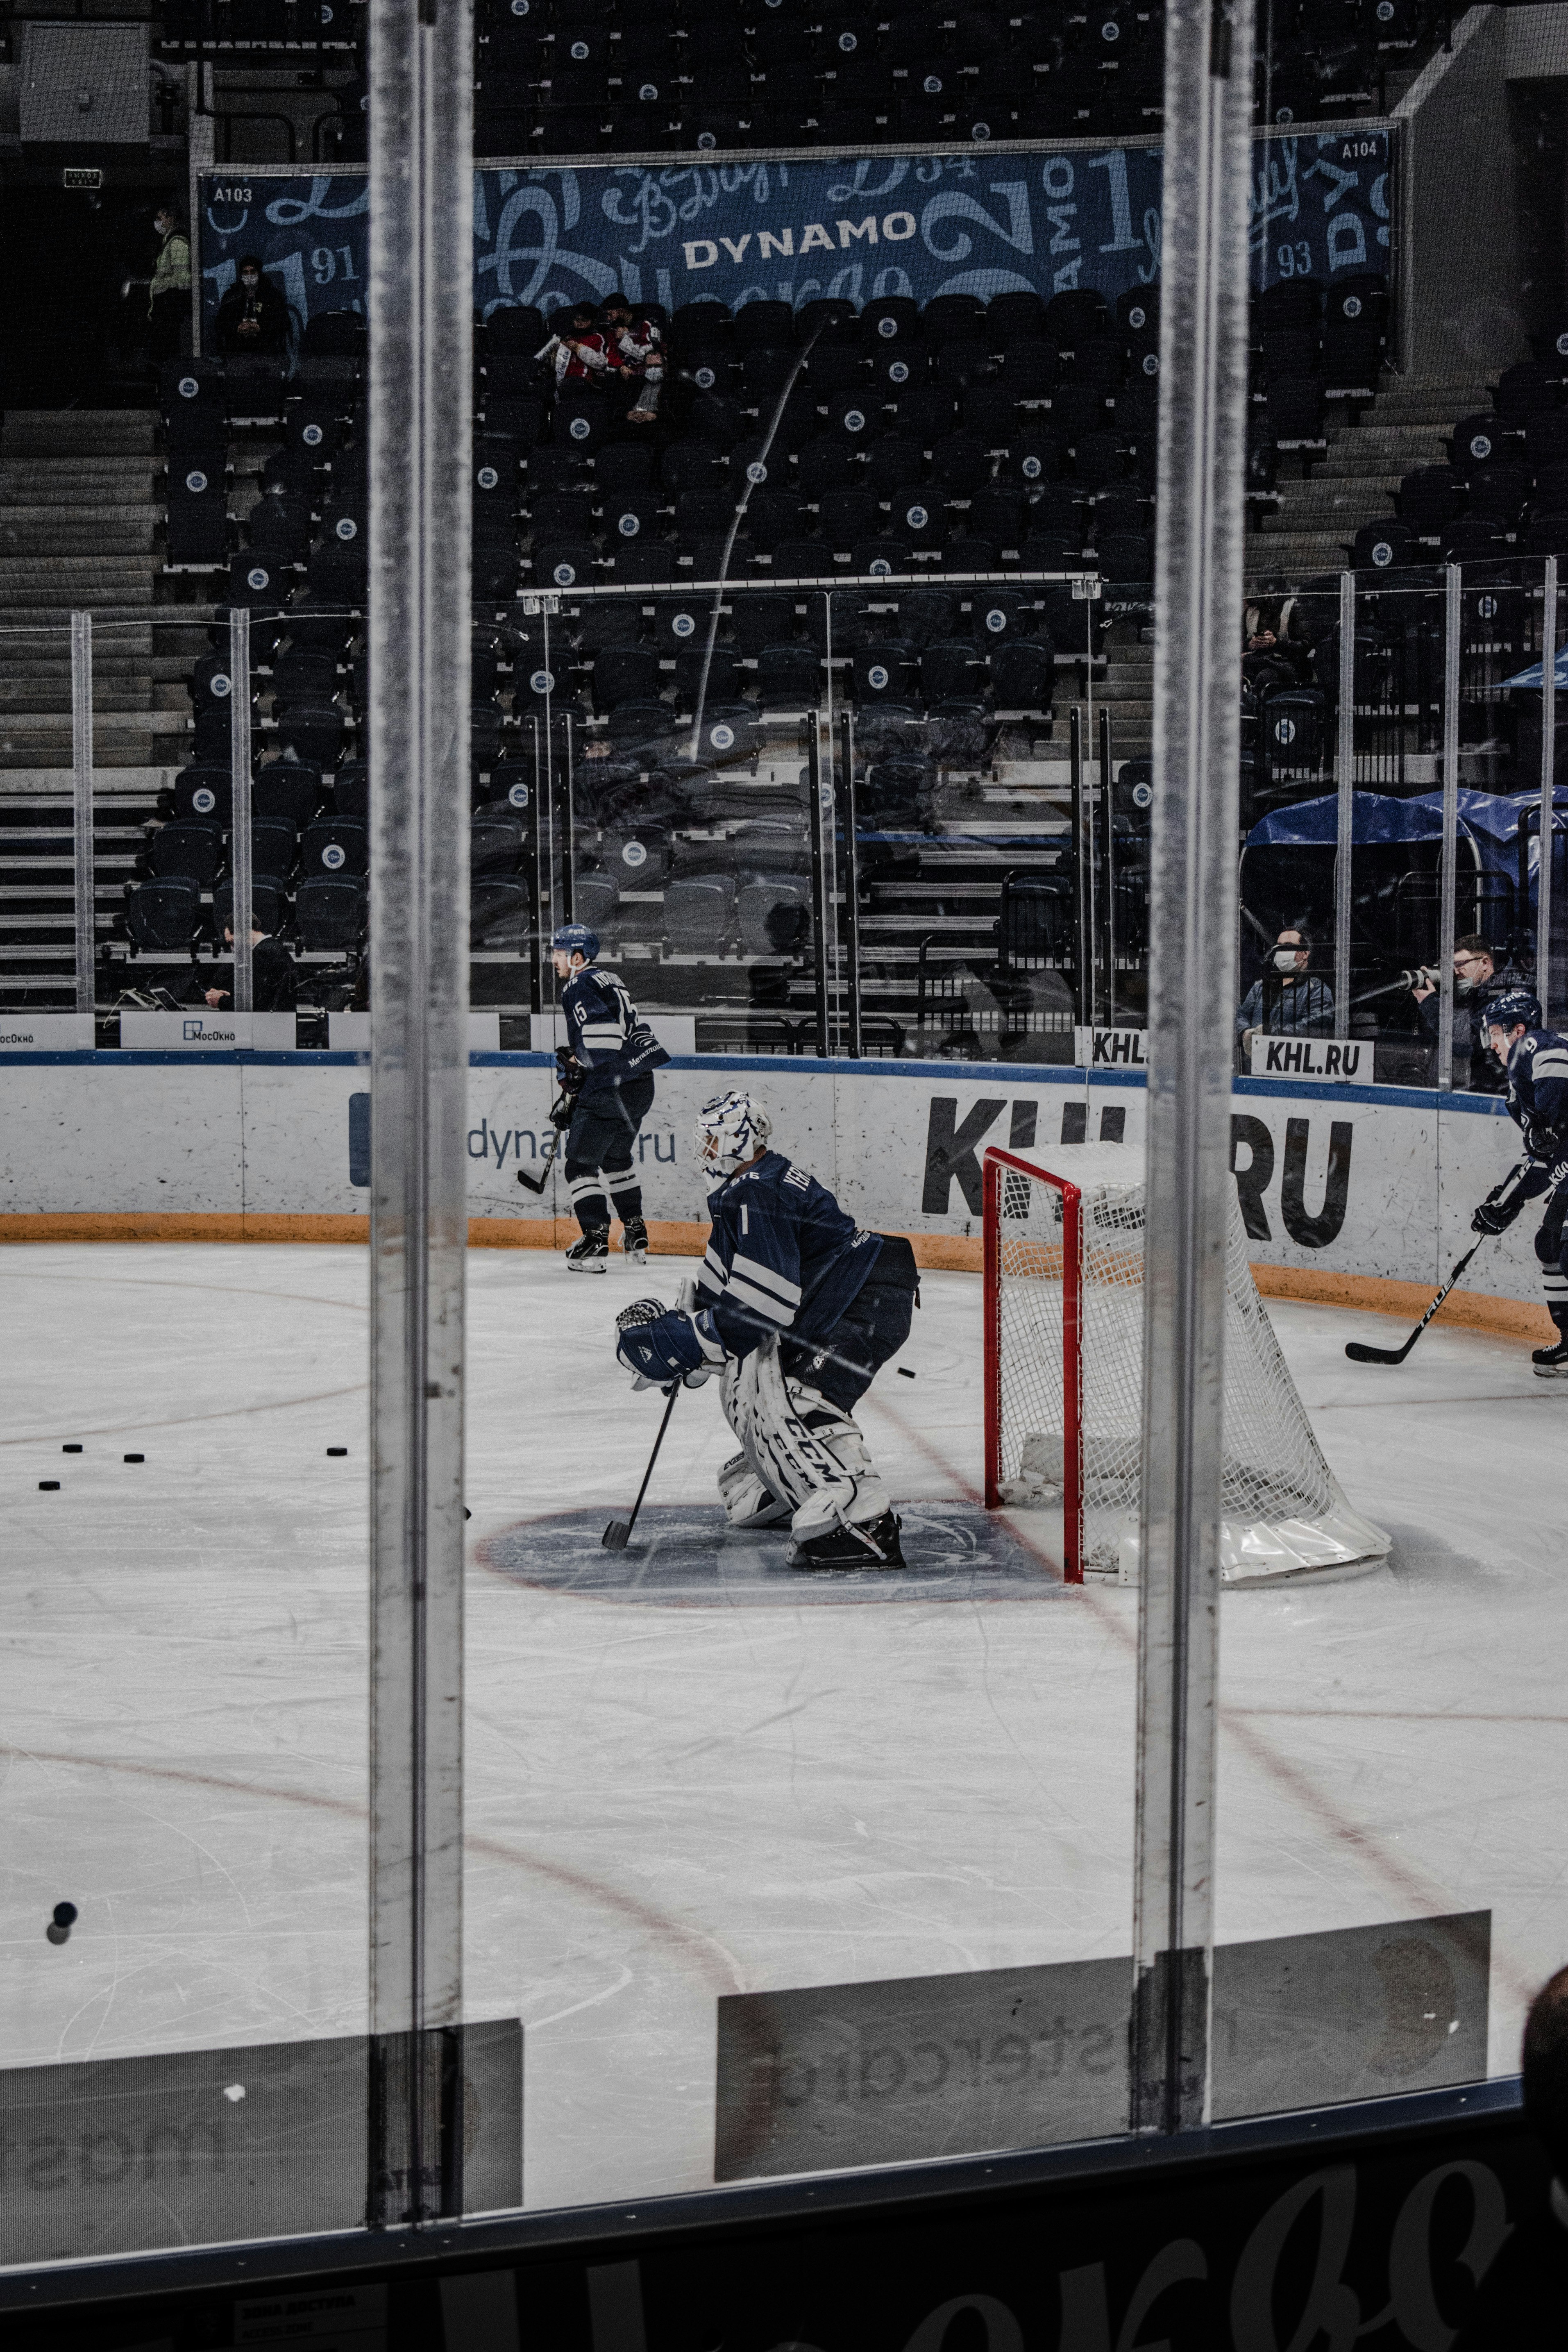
x=729 y=1130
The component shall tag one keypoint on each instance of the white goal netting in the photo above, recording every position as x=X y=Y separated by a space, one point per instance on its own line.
x=1065 y=1373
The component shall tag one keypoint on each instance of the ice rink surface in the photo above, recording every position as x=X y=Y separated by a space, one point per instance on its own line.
x=677 y=1794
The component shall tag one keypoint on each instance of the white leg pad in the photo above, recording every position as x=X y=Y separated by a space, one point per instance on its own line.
x=825 y=1473
x=747 y=1501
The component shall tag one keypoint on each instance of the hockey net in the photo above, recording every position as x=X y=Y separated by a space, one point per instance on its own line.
x=1064 y=1377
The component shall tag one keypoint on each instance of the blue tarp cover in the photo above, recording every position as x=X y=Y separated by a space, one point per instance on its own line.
x=1488 y=819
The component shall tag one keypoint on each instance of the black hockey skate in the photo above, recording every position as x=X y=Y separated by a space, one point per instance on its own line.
x=875 y=1545
x=1551 y=1363
x=634 y=1241
x=591 y=1254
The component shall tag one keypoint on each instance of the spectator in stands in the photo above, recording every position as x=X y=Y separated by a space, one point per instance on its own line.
x=583 y=353
x=272 y=973
x=1277 y=644
x=636 y=351
x=1480 y=974
x=169 y=298
x=1286 y=1002
x=1524 y=2294
x=253 y=315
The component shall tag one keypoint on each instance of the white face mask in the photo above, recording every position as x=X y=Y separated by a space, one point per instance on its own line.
x=1285 y=959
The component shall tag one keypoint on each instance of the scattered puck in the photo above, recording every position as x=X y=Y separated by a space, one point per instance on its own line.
x=48 y=1486
x=136 y=1457
x=905 y=1373
x=337 y=1449
x=61 y=1925
x=70 y=1449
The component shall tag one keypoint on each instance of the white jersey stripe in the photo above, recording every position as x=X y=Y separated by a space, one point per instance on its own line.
x=767 y=1276
x=762 y=1300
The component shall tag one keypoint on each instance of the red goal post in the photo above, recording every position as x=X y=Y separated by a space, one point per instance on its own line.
x=997 y=1164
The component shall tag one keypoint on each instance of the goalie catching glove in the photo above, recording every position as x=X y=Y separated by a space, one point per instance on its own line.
x=662 y=1345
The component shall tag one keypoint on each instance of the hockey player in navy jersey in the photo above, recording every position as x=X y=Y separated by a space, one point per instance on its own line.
x=797 y=1310
x=611 y=1057
x=1536 y=1061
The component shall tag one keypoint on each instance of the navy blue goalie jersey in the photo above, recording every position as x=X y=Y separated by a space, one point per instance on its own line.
x=782 y=1257
x=605 y=1031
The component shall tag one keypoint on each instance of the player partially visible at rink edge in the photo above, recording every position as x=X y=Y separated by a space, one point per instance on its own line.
x=1536 y=1060
x=606 y=1092
x=797 y=1311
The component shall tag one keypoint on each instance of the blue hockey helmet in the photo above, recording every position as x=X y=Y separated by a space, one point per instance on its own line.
x=576 y=939
x=1507 y=1010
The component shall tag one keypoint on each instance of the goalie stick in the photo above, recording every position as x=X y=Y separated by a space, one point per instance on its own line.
x=1361 y=1354
x=618 y=1534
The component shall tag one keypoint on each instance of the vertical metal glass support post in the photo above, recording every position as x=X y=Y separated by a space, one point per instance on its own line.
x=420 y=312
x=1344 y=777
x=1449 y=871
x=821 y=909
x=1197 y=705
x=1083 y=958
x=239 y=836
x=81 y=813
x=1109 y=838
x=850 y=822
x=1548 y=788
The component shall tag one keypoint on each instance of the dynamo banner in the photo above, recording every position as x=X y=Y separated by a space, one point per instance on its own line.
x=985 y=220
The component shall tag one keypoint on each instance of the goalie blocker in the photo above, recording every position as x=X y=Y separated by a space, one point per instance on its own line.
x=796 y=1310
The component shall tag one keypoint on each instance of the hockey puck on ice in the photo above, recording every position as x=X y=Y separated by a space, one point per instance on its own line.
x=337 y=1449
x=61 y=1923
x=905 y=1373
x=136 y=1457
x=70 y=1449
x=48 y=1486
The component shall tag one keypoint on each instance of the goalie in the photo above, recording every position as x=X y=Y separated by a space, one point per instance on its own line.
x=797 y=1311
x=1536 y=1061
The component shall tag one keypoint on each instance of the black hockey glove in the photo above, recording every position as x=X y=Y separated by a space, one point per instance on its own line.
x=561 y=1110
x=1501 y=1205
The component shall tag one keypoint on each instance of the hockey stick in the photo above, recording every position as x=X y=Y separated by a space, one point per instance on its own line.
x=618 y=1534
x=537 y=1183
x=1361 y=1354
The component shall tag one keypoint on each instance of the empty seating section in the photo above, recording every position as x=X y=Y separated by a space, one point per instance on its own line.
x=573 y=78
x=268 y=507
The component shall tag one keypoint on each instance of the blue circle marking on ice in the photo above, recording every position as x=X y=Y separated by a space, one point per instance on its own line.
x=683 y=1555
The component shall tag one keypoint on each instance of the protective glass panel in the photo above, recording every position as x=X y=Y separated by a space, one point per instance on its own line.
x=184 y=2054
x=1399 y=756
